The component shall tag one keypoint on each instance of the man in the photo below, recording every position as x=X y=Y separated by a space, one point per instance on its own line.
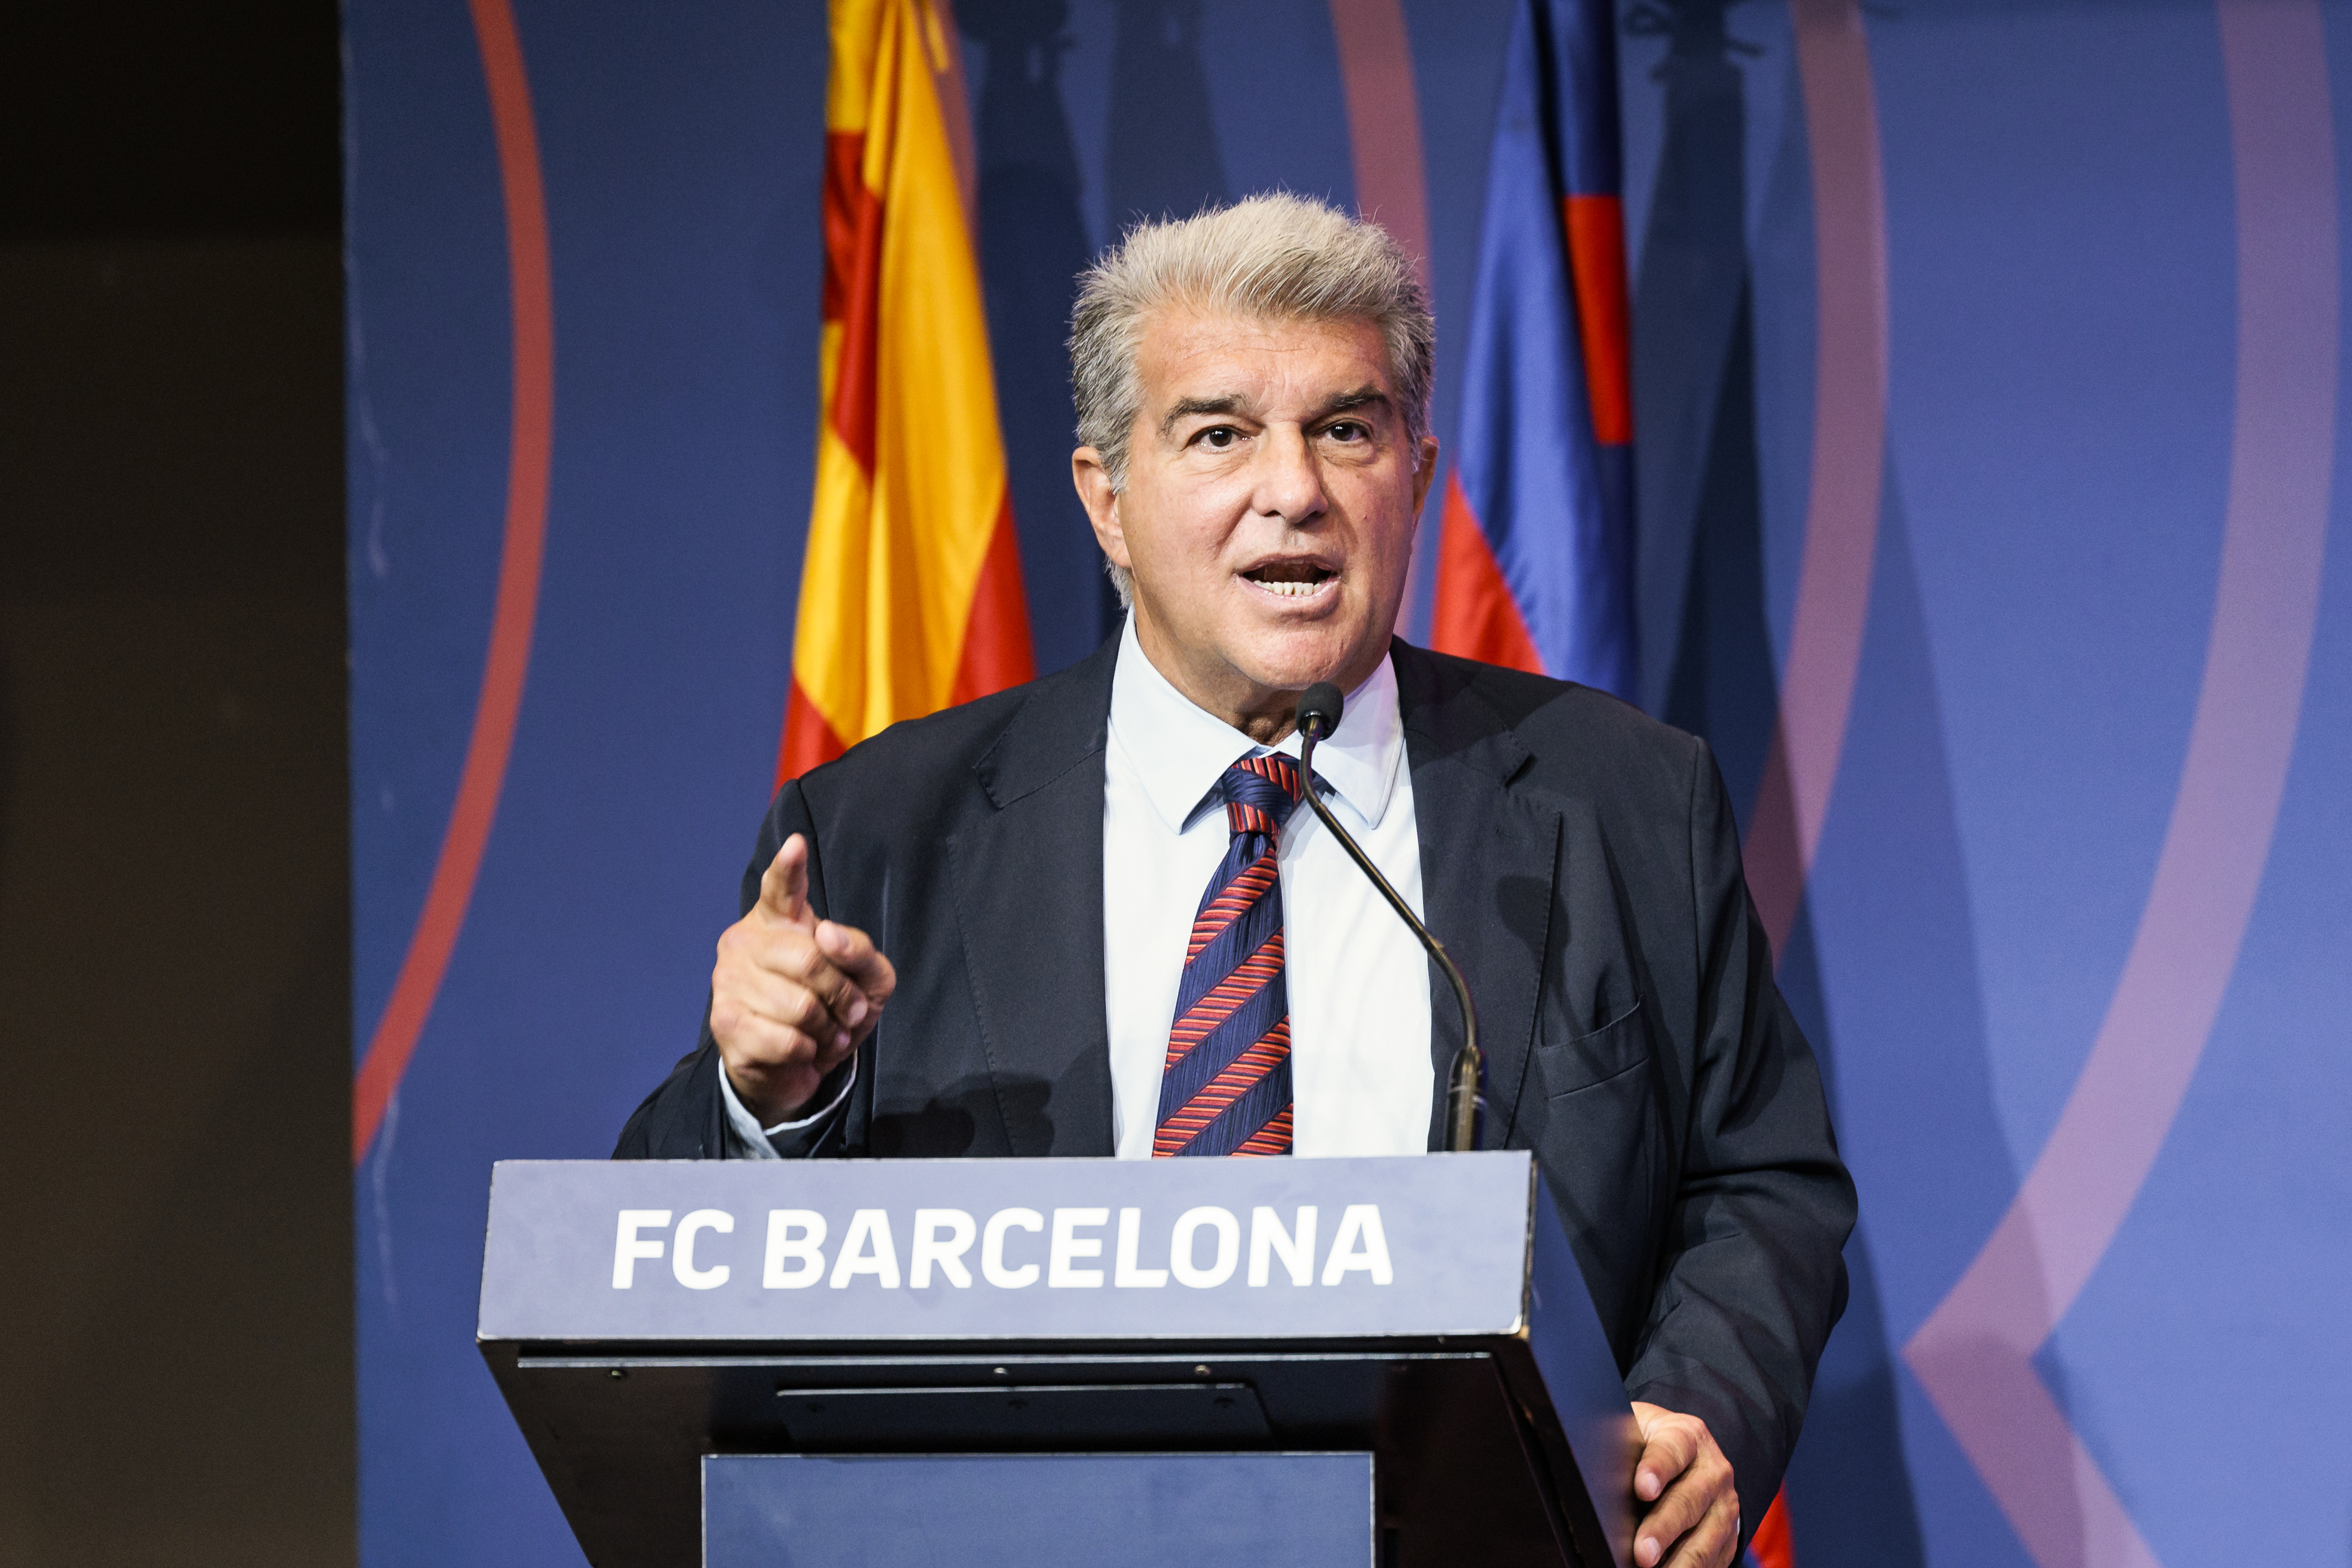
x=1058 y=869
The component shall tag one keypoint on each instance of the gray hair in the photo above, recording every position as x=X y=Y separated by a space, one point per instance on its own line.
x=1271 y=257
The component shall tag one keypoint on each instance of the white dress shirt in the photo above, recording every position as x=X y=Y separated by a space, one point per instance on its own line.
x=1358 y=981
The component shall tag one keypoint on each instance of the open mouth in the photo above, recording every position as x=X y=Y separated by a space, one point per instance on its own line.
x=1291 y=579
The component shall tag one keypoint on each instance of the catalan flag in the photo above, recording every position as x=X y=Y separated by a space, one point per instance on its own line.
x=1536 y=548
x=910 y=592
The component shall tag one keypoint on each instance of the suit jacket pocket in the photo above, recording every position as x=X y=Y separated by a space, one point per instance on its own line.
x=1617 y=1047
x=1602 y=1148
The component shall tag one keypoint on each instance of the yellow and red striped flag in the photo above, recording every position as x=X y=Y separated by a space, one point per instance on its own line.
x=910 y=592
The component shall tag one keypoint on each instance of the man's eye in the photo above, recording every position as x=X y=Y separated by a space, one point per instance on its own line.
x=1348 y=430
x=1218 y=438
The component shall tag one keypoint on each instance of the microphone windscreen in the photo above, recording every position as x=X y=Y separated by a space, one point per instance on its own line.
x=1318 y=709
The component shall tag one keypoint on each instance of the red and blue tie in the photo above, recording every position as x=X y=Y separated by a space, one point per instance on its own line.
x=1226 y=1088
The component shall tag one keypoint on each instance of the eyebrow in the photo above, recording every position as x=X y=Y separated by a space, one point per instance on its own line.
x=1186 y=408
x=1232 y=402
x=1349 y=401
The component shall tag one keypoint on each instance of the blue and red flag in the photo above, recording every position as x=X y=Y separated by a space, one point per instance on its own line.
x=1536 y=548
x=1535 y=566
x=1774 y=1545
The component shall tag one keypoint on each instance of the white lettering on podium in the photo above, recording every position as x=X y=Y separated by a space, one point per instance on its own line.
x=1229 y=1247
x=805 y=1251
x=943 y=1238
x=947 y=1254
x=627 y=1249
x=1131 y=1235
x=682 y=1257
x=992 y=1248
x=1067 y=1246
x=868 y=1229
x=1268 y=1239
x=1360 y=1244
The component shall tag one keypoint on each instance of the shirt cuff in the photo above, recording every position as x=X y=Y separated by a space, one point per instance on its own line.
x=747 y=1140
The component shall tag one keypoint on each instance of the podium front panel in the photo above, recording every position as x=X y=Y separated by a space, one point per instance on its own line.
x=1040 y=1511
x=640 y=1317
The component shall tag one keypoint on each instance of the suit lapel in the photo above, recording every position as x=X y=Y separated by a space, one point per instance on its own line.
x=1489 y=860
x=1028 y=874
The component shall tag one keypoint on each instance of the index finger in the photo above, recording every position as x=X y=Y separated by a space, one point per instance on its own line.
x=784 y=886
x=1667 y=1452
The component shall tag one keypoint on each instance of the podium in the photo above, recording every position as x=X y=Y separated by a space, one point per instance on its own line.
x=1382 y=1362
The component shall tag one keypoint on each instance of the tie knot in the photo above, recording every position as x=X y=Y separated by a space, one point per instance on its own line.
x=1261 y=792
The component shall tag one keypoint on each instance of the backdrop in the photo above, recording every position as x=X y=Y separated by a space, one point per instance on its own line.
x=1987 y=368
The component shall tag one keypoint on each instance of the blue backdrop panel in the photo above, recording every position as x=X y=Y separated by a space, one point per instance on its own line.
x=2077 y=381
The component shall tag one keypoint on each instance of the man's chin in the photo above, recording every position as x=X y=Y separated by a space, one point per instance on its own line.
x=1295 y=659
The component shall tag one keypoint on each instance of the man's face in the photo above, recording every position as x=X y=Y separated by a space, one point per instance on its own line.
x=1269 y=510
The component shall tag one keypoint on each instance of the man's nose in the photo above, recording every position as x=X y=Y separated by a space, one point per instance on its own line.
x=1289 y=480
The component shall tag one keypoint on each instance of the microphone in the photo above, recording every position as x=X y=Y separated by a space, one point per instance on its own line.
x=1319 y=707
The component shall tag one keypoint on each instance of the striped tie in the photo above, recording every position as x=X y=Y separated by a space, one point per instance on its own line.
x=1226 y=1088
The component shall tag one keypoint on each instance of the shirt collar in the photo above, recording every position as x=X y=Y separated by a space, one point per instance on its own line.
x=1180 y=750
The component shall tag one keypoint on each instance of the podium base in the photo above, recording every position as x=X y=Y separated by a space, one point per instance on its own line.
x=1038 y=1511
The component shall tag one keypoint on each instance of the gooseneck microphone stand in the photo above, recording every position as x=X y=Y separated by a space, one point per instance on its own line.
x=1319 y=707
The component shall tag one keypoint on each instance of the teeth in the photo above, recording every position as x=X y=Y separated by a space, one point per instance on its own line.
x=1293 y=590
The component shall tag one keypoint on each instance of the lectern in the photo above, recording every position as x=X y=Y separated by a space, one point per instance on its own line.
x=1368 y=1361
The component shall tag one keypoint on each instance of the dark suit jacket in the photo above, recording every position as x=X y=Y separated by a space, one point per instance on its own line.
x=1582 y=864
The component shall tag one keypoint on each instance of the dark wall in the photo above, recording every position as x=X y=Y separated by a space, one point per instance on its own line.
x=174 y=840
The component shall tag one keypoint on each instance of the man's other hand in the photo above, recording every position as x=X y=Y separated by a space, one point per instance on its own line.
x=1692 y=1519
x=791 y=995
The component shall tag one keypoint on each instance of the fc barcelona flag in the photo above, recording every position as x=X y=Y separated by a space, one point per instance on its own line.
x=1535 y=557
x=1773 y=1546
x=910 y=592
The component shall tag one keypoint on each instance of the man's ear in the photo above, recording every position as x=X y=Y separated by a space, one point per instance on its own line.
x=1101 y=502
x=1425 y=475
